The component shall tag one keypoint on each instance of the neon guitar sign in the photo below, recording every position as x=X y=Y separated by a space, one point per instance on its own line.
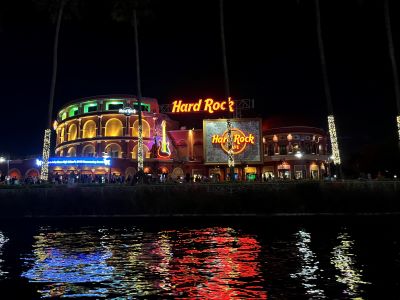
x=163 y=150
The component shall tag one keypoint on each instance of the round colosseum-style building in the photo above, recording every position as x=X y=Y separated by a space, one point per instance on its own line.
x=95 y=127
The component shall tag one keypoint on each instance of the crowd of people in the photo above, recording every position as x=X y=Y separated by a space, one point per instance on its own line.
x=13 y=180
x=139 y=177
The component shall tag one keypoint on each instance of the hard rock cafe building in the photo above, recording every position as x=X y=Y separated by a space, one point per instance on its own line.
x=99 y=136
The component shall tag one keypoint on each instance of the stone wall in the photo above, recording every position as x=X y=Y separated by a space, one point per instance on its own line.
x=202 y=199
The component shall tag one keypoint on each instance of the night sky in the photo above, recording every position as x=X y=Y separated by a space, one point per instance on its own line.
x=272 y=57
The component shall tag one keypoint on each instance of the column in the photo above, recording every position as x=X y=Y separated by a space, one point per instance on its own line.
x=127 y=126
x=99 y=126
x=79 y=135
x=99 y=152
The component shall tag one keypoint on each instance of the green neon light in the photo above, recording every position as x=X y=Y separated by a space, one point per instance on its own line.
x=87 y=106
x=72 y=111
x=113 y=103
x=64 y=115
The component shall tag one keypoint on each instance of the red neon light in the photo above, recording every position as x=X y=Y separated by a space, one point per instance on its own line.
x=208 y=105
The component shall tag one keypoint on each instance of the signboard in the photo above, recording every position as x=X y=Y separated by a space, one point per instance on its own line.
x=127 y=111
x=246 y=138
x=88 y=161
x=207 y=105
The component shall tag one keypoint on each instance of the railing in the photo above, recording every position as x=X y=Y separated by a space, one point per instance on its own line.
x=287 y=157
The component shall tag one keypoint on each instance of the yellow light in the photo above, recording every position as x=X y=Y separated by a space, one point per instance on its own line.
x=44 y=172
x=334 y=141
x=55 y=124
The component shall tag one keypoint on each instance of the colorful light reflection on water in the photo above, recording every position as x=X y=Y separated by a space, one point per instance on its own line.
x=309 y=272
x=212 y=263
x=3 y=241
x=349 y=272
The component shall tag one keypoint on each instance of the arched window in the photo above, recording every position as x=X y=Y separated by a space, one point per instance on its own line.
x=146 y=152
x=177 y=172
x=72 y=132
x=62 y=133
x=88 y=151
x=145 y=128
x=14 y=173
x=282 y=150
x=130 y=171
x=71 y=152
x=270 y=149
x=307 y=148
x=314 y=148
x=89 y=129
x=113 y=150
x=32 y=173
x=114 y=127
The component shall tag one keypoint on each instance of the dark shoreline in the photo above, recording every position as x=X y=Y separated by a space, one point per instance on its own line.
x=257 y=200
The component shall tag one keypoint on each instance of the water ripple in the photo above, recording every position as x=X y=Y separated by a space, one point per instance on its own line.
x=213 y=263
x=345 y=261
x=3 y=241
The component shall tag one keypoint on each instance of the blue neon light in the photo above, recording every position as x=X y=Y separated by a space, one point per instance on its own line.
x=94 y=161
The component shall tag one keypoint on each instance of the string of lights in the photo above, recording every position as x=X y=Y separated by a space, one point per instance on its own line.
x=140 y=148
x=44 y=172
x=334 y=141
x=231 y=161
x=398 y=125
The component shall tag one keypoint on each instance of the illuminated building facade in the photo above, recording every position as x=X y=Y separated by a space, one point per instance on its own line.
x=99 y=136
x=107 y=126
x=295 y=152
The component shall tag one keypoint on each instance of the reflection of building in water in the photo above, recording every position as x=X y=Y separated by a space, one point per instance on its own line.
x=100 y=263
x=309 y=272
x=140 y=261
x=64 y=262
x=217 y=263
x=128 y=262
x=344 y=260
x=3 y=240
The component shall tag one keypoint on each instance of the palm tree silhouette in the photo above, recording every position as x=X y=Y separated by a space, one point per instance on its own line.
x=393 y=64
x=126 y=11
x=231 y=161
x=328 y=97
x=44 y=172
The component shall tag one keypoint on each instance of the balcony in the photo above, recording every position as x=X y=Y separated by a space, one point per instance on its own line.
x=291 y=157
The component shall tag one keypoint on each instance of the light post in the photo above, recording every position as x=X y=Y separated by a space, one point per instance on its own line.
x=2 y=160
x=154 y=124
x=106 y=155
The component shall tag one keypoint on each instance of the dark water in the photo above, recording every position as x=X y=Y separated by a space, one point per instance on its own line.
x=283 y=258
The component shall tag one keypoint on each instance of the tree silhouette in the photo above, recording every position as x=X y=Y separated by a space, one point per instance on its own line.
x=128 y=11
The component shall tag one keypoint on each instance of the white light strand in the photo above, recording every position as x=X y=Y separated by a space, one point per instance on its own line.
x=334 y=141
x=398 y=125
x=44 y=172
x=140 y=148
x=231 y=161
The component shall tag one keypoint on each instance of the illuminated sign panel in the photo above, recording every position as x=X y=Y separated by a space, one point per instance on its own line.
x=127 y=111
x=208 y=105
x=246 y=138
x=92 y=161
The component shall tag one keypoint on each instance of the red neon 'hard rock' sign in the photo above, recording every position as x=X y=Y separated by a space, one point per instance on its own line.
x=239 y=140
x=208 y=105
